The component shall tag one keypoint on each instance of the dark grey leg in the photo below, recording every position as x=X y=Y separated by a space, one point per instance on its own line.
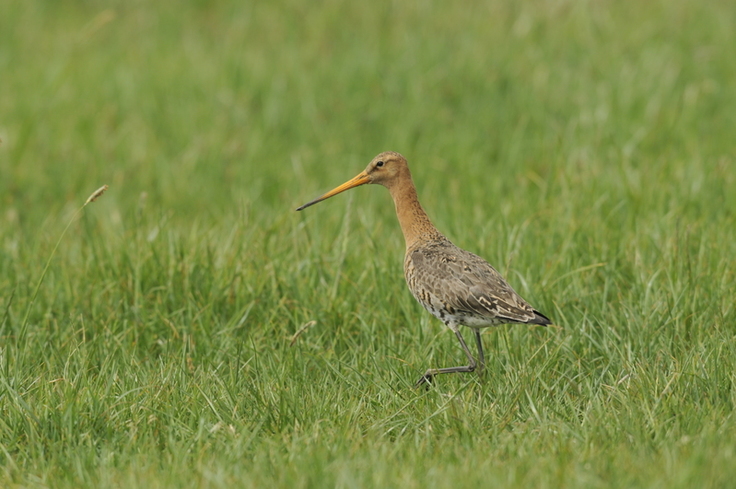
x=481 y=356
x=472 y=364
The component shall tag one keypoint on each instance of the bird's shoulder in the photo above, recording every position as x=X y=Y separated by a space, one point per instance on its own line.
x=444 y=259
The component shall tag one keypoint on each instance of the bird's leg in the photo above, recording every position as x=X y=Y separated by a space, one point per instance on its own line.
x=427 y=377
x=481 y=356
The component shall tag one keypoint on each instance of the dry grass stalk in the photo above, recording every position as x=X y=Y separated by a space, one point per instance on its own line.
x=94 y=196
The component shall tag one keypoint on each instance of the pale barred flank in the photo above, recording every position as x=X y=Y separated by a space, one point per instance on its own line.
x=96 y=194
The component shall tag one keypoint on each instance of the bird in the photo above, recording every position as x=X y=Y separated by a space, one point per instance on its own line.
x=456 y=286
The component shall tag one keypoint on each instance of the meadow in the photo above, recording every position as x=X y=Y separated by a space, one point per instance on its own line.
x=190 y=329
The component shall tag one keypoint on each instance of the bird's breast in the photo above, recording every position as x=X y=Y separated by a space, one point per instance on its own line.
x=432 y=293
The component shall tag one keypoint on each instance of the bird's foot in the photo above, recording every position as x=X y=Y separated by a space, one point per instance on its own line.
x=424 y=381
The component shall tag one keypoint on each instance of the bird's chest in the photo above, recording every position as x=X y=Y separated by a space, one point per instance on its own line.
x=442 y=286
x=426 y=288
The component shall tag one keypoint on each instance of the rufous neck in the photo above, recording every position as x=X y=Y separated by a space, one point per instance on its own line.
x=414 y=222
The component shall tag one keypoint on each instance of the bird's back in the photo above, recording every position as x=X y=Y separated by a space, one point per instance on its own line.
x=462 y=288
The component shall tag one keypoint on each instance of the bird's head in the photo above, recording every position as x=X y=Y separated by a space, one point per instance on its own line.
x=385 y=169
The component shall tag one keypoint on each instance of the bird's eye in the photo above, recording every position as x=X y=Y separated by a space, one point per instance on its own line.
x=379 y=164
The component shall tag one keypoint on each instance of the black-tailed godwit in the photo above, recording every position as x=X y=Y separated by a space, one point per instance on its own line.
x=458 y=287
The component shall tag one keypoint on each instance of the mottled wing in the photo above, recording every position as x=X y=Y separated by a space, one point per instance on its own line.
x=467 y=286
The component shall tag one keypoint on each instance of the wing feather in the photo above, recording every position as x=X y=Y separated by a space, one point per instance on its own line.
x=468 y=285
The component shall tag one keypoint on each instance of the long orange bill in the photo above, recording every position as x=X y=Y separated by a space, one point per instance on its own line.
x=361 y=179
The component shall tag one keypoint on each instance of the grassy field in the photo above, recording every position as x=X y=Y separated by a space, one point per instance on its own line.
x=587 y=149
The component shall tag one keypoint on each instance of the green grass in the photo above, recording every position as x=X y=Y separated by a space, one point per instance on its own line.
x=584 y=148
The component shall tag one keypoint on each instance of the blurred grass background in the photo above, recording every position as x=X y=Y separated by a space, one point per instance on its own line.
x=585 y=148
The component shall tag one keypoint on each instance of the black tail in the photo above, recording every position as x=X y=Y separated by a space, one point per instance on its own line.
x=540 y=318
